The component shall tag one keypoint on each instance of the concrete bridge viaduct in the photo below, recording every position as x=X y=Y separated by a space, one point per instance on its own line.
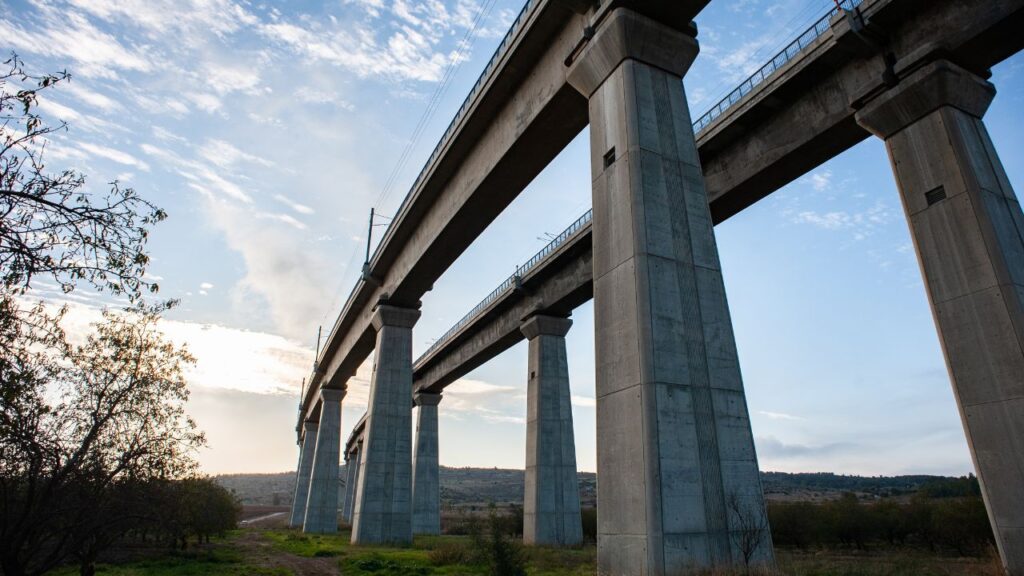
x=679 y=483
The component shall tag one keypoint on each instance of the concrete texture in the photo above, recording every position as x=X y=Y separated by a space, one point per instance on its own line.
x=357 y=466
x=322 y=502
x=968 y=231
x=351 y=467
x=790 y=124
x=383 y=510
x=557 y=286
x=426 y=482
x=551 y=507
x=675 y=454
x=302 y=473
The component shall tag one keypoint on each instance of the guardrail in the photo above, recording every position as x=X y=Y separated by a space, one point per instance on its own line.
x=787 y=54
x=511 y=281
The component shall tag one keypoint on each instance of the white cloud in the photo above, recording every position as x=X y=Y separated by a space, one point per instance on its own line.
x=314 y=96
x=226 y=358
x=206 y=286
x=95 y=99
x=778 y=415
x=821 y=180
x=282 y=274
x=584 y=401
x=300 y=208
x=113 y=155
x=167 y=17
x=67 y=34
x=225 y=155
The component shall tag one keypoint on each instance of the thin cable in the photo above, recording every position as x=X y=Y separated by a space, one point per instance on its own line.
x=454 y=65
x=464 y=47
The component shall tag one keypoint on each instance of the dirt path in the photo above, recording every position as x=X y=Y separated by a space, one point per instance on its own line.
x=261 y=552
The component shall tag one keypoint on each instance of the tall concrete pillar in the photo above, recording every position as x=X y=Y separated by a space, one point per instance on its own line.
x=679 y=482
x=353 y=477
x=551 y=507
x=322 y=502
x=968 y=232
x=383 y=512
x=350 y=484
x=309 y=430
x=426 y=481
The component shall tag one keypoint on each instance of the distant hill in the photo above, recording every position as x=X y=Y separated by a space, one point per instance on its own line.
x=476 y=487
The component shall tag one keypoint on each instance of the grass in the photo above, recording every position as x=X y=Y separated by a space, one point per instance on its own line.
x=428 y=556
x=218 y=560
x=451 y=556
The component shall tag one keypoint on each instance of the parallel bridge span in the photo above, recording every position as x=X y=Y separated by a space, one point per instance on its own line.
x=908 y=71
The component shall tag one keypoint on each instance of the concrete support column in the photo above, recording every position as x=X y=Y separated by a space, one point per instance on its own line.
x=356 y=463
x=383 y=511
x=309 y=430
x=551 y=508
x=426 y=481
x=679 y=482
x=322 y=502
x=351 y=460
x=968 y=231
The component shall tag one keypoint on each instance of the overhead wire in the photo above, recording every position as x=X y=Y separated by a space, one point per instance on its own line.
x=463 y=48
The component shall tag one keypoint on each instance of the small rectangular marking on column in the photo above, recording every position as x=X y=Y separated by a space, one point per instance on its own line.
x=609 y=157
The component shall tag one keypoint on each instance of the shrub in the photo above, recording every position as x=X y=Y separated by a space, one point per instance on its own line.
x=448 y=554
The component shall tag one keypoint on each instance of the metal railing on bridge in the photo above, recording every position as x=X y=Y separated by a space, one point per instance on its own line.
x=512 y=281
x=786 y=55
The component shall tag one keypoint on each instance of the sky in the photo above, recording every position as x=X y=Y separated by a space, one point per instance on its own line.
x=268 y=130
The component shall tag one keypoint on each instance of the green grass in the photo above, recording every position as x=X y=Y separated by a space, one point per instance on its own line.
x=216 y=561
x=416 y=560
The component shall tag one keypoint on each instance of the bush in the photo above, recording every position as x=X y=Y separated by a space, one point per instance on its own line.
x=448 y=554
x=493 y=546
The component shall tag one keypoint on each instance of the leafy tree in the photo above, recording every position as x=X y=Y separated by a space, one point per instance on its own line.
x=116 y=416
x=49 y=225
x=86 y=431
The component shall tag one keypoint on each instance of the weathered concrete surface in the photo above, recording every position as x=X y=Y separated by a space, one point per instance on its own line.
x=426 y=482
x=322 y=502
x=675 y=453
x=383 y=509
x=357 y=466
x=524 y=116
x=302 y=473
x=800 y=117
x=556 y=286
x=551 y=506
x=789 y=125
x=351 y=466
x=968 y=232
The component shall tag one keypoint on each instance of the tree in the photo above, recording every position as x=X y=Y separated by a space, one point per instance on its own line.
x=86 y=431
x=116 y=418
x=748 y=527
x=49 y=224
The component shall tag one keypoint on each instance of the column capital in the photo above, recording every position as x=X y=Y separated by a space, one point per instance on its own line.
x=332 y=394
x=426 y=399
x=387 y=315
x=933 y=86
x=541 y=325
x=623 y=35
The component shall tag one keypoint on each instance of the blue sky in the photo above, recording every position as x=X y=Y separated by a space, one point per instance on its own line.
x=268 y=130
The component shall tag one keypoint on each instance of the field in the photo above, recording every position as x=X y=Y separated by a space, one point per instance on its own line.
x=264 y=546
